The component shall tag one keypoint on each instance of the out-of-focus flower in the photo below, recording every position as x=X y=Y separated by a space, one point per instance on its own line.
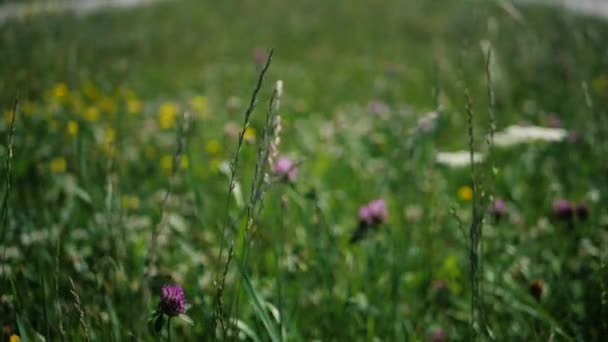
x=438 y=335
x=213 y=147
x=167 y=115
x=201 y=105
x=458 y=158
x=90 y=90
x=58 y=165
x=172 y=300
x=166 y=162
x=427 y=122
x=249 y=134
x=465 y=193
x=498 y=209
x=15 y=338
x=131 y=202
x=370 y=215
x=537 y=288
x=91 y=114
x=8 y=117
x=514 y=135
x=285 y=169
x=109 y=135
x=563 y=209
x=60 y=91
x=134 y=106
x=72 y=128
x=379 y=108
x=108 y=105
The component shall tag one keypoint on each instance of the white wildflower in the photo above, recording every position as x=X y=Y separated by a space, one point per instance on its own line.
x=458 y=158
x=514 y=135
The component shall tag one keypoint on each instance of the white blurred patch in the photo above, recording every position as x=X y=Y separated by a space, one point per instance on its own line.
x=458 y=158
x=514 y=135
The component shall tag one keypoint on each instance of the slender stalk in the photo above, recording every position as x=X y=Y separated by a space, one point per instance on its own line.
x=475 y=230
x=221 y=282
x=8 y=188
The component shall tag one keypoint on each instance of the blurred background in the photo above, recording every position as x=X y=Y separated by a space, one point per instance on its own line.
x=121 y=125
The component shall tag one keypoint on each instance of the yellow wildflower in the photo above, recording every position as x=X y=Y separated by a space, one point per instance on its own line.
x=72 y=128
x=109 y=135
x=108 y=105
x=134 y=106
x=58 y=165
x=130 y=201
x=15 y=338
x=213 y=147
x=91 y=114
x=60 y=91
x=465 y=193
x=249 y=134
x=184 y=162
x=201 y=105
x=167 y=113
x=166 y=163
x=8 y=117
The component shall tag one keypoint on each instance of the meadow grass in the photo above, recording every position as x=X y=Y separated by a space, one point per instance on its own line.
x=138 y=156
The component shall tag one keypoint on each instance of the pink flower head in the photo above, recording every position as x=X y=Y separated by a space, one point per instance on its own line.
x=438 y=335
x=286 y=169
x=374 y=212
x=563 y=209
x=172 y=300
x=498 y=208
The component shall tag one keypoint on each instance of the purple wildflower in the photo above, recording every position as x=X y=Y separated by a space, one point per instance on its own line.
x=379 y=108
x=172 y=300
x=371 y=215
x=286 y=169
x=373 y=212
x=563 y=209
x=438 y=335
x=498 y=209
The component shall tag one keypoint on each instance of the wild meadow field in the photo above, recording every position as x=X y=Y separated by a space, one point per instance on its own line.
x=313 y=170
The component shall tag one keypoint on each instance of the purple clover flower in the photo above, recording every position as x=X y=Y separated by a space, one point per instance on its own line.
x=438 y=335
x=286 y=169
x=563 y=209
x=498 y=209
x=373 y=213
x=172 y=300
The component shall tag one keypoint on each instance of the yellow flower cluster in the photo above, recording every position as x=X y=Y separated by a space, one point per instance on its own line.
x=167 y=115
